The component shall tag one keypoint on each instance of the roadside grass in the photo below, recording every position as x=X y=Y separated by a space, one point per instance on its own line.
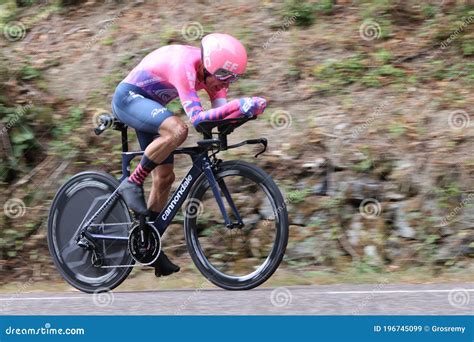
x=189 y=278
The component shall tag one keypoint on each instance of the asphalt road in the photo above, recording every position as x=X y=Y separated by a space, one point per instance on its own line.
x=377 y=299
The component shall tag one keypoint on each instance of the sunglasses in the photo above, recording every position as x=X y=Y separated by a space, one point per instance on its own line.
x=225 y=75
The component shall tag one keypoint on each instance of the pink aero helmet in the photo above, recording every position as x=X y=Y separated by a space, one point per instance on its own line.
x=223 y=52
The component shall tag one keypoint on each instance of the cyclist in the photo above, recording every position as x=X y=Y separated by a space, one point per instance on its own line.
x=140 y=99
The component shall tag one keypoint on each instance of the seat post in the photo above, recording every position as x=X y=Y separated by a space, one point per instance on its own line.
x=223 y=139
x=124 y=138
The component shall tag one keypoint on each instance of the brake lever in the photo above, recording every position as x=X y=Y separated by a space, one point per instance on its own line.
x=262 y=141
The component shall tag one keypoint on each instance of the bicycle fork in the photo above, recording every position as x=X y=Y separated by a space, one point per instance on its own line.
x=215 y=185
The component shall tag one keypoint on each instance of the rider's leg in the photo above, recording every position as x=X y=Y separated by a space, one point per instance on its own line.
x=133 y=107
x=146 y=115
x=163 y=178
x=172 y=133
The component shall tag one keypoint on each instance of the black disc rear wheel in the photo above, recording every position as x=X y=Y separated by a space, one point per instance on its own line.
x=74 y=203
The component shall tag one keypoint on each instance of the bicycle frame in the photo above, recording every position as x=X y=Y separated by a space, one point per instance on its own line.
x=201 y=164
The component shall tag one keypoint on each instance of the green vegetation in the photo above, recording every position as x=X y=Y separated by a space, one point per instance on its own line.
x=108 y=41
x=338 y=73
x=364 y=164
x=297 y=196
x=325 y=6
x=27 y=72
x=369 y=71
x=17 y=125
x=302 y=11
x=396 y=129
x=448 y=195
x=175 y=106
x=64 y=140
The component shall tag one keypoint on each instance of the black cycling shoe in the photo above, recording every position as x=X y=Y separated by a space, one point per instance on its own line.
x=164 y=266
x=134 y=196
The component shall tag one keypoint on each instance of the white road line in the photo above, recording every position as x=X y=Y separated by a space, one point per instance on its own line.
x=396 y=291
x=41 y=298
x=13 y=298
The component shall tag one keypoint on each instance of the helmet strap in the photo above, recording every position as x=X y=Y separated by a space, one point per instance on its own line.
x=206 y=73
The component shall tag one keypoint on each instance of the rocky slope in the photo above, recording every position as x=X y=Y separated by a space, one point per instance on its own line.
x=376 y=95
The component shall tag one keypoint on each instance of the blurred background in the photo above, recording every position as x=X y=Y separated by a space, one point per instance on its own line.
x=378 y=94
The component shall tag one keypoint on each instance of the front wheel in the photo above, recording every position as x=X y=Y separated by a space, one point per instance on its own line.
x=239 y=258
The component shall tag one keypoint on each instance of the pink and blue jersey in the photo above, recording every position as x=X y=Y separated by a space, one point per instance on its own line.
x=170 y=72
